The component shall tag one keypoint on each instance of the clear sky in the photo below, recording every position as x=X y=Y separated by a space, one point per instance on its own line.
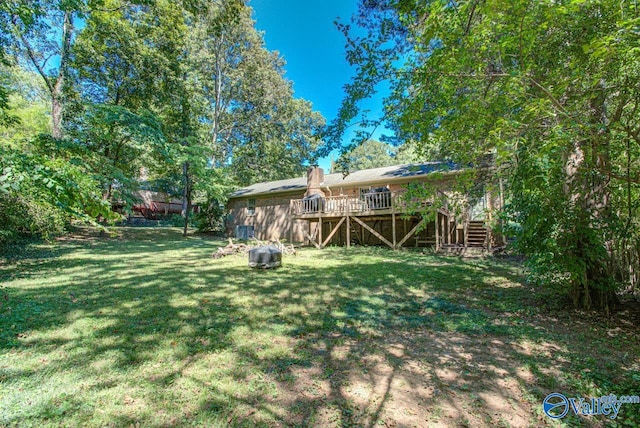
x=304 y=33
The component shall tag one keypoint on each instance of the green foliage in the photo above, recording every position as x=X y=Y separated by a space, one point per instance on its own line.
x=550 y=89
x=176 y=220
x=118 y=143
x=115 y=59
x=42 y=190
x=374 y=154
x=253 y=124
x=28 y=105
x=211 y=217
x=211 y=195
x=39 y=30
x=370 y=154
x=6 y=118
x=183 y=94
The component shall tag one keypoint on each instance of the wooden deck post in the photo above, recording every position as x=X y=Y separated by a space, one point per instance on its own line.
x=466 y=233
x=348 y=231
x=393 y=230
x=312 y=238
x=319 y=228
x=445 y=230
x=437 y=234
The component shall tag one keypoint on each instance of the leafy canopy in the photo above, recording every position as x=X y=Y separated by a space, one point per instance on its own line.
x=550 y=88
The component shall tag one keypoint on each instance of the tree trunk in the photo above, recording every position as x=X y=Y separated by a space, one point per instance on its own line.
x=56 y=114
x=55 y=86
x=57 y=93
x=186 y=197
x=587 y=188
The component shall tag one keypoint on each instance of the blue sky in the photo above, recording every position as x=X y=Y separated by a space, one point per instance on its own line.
x=304 y=33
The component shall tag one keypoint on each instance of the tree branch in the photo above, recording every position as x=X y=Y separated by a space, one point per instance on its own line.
x=625 y=178
x=32 y=57
x=553 y=99
x=473 y=11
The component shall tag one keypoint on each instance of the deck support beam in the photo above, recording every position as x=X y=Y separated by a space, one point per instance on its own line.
x=411 y=232
x=333 y=232
x=374 y=232
x=312 y=238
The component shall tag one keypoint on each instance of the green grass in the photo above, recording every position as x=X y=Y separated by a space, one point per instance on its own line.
x=146 y=329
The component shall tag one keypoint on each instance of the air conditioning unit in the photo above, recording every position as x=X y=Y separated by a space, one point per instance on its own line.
x=244 y=232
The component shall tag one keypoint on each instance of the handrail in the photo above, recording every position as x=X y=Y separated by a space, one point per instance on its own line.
x=343 y=204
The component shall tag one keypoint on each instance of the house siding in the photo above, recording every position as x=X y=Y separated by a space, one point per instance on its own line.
x=272 y=219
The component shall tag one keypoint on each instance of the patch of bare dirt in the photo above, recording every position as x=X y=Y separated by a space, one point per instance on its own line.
x=429 y=379
x=413 y=380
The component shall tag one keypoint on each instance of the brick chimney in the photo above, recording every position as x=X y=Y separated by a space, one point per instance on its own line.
x=315 y=177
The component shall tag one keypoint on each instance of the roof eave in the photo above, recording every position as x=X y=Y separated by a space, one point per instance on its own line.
x=422 y=177
x=271 y=193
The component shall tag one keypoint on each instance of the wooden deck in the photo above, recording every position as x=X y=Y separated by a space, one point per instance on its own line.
x=349 y=210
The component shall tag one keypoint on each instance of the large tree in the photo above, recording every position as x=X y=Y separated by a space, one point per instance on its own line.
x=373 y=154
x=184 y=88
x=551 y=89
x=253 y=123
x=118 y=66
x=42 y=34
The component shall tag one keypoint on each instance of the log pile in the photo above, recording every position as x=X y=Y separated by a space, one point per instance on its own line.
x=230 y=249
x=243 y=249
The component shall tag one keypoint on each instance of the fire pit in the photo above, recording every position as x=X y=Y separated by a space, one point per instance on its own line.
x=265 y=257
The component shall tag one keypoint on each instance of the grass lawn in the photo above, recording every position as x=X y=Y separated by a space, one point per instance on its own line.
x=146 y=329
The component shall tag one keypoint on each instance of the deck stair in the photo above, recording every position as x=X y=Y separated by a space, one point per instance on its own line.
x=476 y=234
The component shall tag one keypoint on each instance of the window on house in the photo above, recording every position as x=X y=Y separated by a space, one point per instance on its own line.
x=251 y=206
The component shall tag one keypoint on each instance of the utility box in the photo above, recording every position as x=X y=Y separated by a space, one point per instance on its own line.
x=244 y=232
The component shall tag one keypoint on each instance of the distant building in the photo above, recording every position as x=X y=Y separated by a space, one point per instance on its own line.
x=157 y=205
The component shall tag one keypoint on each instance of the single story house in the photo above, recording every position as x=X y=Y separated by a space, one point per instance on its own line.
x=367 y=207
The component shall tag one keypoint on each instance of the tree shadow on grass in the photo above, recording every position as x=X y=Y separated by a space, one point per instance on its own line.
x=339 y=339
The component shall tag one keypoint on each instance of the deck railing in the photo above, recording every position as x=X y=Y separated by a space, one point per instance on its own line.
x=348 y=204
x=370 y=202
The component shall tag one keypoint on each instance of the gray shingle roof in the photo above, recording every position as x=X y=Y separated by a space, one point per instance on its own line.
x=365 y=176
x=272 y=187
